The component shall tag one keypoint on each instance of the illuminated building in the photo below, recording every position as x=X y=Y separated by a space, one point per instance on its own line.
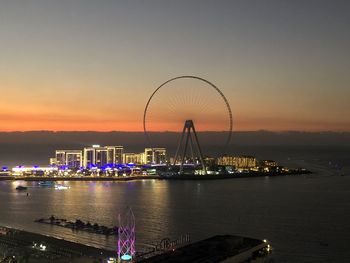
x=74 y=159
x=60 y=157
x=269 y=166
x=69 y=158
x=136 y=158
x=53 y=161
x=89 y=156
x=239 y=162
x=268 y=163
x=155 y=156
x=34 y=170
x=210 y=161
x=97 y=156
x=100 y=156
x=5 y=171
x=115 y=154
x=148 y=155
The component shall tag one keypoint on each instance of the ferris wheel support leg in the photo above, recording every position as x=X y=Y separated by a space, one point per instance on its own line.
x=191 y=147
x=179 y=145
x=185 y=150
x=199 y=149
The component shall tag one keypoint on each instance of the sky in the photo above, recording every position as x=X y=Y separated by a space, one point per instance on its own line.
x=78 y=65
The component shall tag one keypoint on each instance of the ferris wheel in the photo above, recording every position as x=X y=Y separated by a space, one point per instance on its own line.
x=185 y=98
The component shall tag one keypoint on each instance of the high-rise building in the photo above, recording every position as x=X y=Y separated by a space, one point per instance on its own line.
x=115 y=154
x=160 y=156
x=155 y=156
x=89 y=156
x=69 y=158
x=136 y=158
x=100 y=156
x=60 y=157
x=95 y=156
x=74 y=159
x=148 y=156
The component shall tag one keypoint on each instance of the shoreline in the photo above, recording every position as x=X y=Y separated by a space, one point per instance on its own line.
x=62 y=178
x=153 y=177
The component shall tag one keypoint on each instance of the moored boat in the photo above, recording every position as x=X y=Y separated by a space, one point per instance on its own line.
x=47 y=183
x=61 y=187
x=21 y=188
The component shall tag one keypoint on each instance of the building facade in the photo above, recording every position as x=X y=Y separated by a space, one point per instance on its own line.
x=239 y=162
x=135 y=158
x=155 y=156
x=268 y=163
x=101 y=156
x=97 y=156
x=69 y=158
x=89 y=157
x=115 y=154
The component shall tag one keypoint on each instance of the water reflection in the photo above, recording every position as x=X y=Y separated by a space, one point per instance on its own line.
x=294 y=213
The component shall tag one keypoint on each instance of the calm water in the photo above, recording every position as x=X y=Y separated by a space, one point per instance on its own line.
x=306 y=218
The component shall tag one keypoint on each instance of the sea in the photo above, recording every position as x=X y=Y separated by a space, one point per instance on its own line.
x=306 y=218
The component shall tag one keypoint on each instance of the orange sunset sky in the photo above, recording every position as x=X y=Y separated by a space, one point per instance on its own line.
x=92 y=65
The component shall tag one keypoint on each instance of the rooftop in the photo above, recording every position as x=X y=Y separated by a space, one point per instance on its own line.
x=214 y=249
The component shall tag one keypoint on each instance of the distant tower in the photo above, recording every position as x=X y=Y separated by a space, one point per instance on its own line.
x=126 y=237
x=193 y=145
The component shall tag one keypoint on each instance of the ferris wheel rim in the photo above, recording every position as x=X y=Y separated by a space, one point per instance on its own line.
x=197 y=78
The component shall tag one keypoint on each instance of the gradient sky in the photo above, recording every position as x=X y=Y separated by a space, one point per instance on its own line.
x=91 y=65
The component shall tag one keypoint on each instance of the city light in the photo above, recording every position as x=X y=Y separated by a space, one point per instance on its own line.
x=112 y=161
x=126 y=257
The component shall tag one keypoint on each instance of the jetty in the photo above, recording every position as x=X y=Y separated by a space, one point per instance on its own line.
x=79 y=225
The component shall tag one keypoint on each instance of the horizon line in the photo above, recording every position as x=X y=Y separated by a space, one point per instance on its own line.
x=169 y=131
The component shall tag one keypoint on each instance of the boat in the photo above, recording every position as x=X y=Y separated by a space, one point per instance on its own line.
x=47 y=183
x=61 y=187
x=21 y=188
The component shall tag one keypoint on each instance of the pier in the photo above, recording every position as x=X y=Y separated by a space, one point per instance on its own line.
x=79 y=225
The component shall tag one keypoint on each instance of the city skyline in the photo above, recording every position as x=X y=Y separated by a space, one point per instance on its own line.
x=283 y=65
x=174 y=131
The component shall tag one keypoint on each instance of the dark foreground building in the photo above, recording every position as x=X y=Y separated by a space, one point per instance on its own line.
x=226 y=249
x=17 y=246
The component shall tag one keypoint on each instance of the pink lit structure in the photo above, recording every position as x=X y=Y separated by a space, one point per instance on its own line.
x=126 y=237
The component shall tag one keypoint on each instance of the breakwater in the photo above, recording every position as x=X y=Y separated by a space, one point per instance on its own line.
x=79 y=225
